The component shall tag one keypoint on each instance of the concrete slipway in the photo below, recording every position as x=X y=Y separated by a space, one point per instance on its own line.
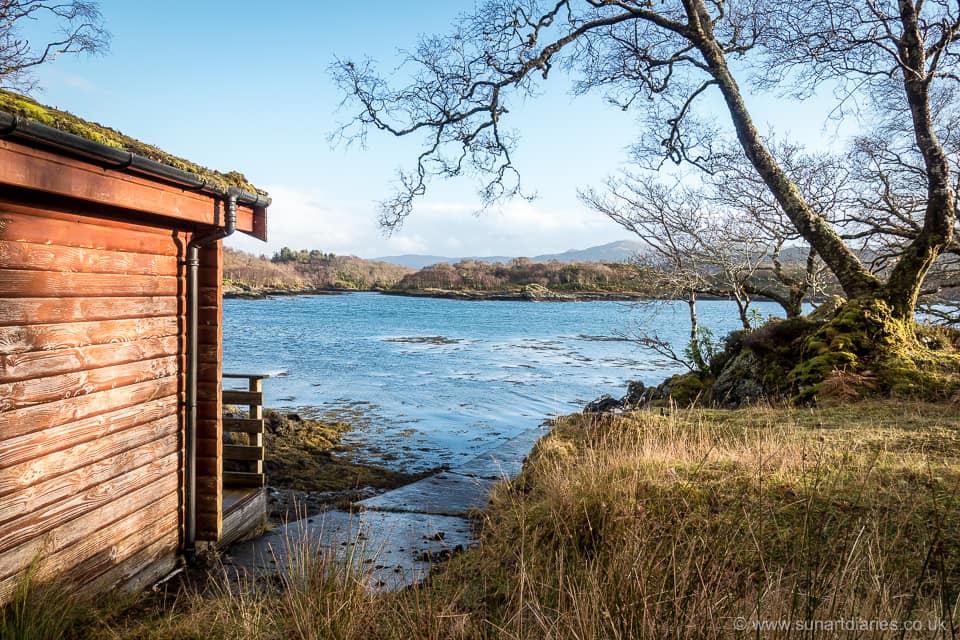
x=392 y=538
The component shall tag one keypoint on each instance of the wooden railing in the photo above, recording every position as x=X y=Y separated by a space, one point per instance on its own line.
x=244 y=451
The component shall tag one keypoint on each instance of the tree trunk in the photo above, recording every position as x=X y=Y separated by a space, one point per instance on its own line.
x=692 y=304
x=743 y=303
x=856 y=280
x=794 y=309
x=903 y=286
x=696 y=352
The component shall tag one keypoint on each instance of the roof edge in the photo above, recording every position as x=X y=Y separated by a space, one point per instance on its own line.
x=20 y=128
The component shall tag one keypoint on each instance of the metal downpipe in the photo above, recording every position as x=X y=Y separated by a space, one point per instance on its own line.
x=190 y=444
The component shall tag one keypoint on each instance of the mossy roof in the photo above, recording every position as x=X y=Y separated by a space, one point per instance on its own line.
x=33 y=110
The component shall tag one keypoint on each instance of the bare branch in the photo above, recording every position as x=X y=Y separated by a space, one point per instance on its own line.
x=79 y=28
x=898 y=61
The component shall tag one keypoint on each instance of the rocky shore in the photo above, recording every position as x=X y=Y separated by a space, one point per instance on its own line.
x=311 y=470
x=529 y=293
x=247 y=292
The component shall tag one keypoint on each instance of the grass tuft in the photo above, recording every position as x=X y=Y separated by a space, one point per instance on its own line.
x=39 y=610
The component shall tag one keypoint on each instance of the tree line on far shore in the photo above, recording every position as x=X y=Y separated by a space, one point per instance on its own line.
x=307 y=270
x=304 y=269
x=294 y=270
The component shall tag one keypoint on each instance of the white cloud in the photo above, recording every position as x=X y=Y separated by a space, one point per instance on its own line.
x=301 y=219
x=408 y=244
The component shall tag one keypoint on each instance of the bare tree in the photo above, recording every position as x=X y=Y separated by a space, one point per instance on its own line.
x=889 y=201
x=692 y=250
x=736 y=255
x=661 y=59
x=76 y=25
x=670 y=222
x=739 y=191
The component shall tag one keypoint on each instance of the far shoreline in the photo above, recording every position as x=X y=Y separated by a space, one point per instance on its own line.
x=539 y=295
x=473 y=296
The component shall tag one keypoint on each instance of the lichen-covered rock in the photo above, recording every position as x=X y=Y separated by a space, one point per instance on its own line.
x=739 y=383
x=685 y=389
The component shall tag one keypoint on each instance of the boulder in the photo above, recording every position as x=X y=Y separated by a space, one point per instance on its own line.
x=535 y=292
x=604 y=404
x=638 y=395
x=685 y=389
x=738 y=384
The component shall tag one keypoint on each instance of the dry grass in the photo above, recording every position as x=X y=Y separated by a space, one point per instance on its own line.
x=678 y=526
x=684 y=526
x=39 y=611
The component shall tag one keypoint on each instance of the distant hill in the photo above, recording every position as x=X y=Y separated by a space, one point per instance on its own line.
x=417 y=261
x=613 y=252
x=619 y=251
x=525 y=278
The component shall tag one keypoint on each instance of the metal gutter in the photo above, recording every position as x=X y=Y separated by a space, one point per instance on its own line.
x=13 y=126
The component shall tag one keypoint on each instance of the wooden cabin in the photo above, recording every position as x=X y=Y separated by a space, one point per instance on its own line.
x=111 y=435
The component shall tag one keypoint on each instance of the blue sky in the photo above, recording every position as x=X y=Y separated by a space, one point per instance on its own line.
x=243 y=85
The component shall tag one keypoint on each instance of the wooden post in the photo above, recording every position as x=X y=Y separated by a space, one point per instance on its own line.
x=250 y=454
x=256 y=413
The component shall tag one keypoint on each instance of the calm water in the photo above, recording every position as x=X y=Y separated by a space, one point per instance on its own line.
x=430 y=381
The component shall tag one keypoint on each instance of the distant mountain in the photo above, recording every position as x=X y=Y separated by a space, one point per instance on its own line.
x=613 y=252
x=417 y=261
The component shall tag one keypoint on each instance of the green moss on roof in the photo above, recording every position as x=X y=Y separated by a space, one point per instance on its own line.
x=33 y=110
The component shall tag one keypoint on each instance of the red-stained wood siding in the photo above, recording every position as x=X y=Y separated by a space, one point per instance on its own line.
x=57 y=175
x=93 y=324
x=209 y=399
x=92 y=339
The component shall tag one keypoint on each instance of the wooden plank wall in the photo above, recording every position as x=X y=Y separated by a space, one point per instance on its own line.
x=92 y=339
x=209 y=399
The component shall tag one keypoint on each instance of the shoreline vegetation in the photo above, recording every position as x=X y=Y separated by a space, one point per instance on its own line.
x=291 y=273
x=698 y=520
x=315 y=273
x=526 y=294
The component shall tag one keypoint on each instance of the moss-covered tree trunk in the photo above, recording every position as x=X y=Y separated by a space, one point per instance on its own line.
x=903 y=286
